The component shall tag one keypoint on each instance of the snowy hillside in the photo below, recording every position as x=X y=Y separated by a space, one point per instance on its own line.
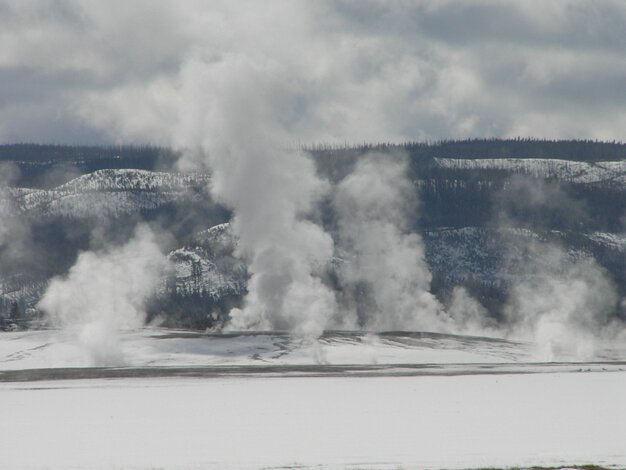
x=111 y=192
x=21 y=289
x=493 y=258
x=479 y=257
x=220 y=237
x=196 y=271
x=613 y=173
x=616 y=241
x=496 y=257
x=205 y=272
x=137 y=180
x=207 y=268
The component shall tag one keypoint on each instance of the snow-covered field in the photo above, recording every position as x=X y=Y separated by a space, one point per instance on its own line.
x=265 y=401
x=158 y=347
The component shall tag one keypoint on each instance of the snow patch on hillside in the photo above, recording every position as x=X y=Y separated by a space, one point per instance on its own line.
x=549 y=168
x=493 y=257
x=195 y=271
x=616 y=241
x=111 y=192
x=129 y=179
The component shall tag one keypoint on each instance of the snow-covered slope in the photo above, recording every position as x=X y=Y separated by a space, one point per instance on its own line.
x=489 y=257
x=498 y=257
x=195 y=271
x=111 y=192
x=616 y=241
x=474 y=256
x=21 y=289
x=136 y=180
x=208 y=268
x=206 y=265
x=220 y=237
x=613 y=172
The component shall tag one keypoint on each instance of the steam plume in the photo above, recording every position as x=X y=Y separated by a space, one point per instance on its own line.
x=564 y=306
x=14 y=229
x=565 y=302
x=106 y=292
x=469 y=316
x=386 y=261
x=236 y=122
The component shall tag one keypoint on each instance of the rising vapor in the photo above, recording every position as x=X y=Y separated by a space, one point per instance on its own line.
x=235 y=125
x=386 y=280
x=564 y=302
x=248 y=83
x=564 y=306
x=104 y=293
x=14 y=229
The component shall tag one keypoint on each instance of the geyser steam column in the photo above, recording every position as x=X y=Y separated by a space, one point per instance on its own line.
x=237 y=126
x=104 y=293
x=373 y=206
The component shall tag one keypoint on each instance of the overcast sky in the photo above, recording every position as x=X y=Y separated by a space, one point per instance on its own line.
x=342 y=71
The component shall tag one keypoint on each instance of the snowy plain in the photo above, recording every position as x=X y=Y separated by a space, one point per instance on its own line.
x=160 y=347
x=519 y=412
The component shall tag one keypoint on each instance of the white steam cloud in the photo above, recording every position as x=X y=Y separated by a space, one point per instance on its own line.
x=386 y=280
x=469 y=316
x=105 y=292
x=234 y=85
x=564 y=306
x=564 y=302
x=235 y=118
x=14 y=229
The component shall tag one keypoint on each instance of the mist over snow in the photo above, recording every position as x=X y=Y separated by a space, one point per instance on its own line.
x=104 y=293
x=237 y=87
x=385 y=279
x=329 y=234
x=234 y=127
x=563 y=305
x=14 y=230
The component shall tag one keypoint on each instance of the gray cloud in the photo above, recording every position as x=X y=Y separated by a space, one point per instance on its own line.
x=561 y=24
x=87 y=71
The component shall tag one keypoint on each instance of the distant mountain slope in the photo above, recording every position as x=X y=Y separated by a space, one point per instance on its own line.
x=111 y=192
x=462 y=187
x=495 y=257
x=208 y=268
x=613 y=173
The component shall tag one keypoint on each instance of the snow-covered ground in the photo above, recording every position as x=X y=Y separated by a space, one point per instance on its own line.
x=348 y=401
x=154 y=347
x=321 y=423
x=159 y=347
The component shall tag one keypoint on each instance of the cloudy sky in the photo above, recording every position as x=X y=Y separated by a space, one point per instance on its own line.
x=80 y=71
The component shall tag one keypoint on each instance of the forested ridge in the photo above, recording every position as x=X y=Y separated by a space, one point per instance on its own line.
x=473 y=194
